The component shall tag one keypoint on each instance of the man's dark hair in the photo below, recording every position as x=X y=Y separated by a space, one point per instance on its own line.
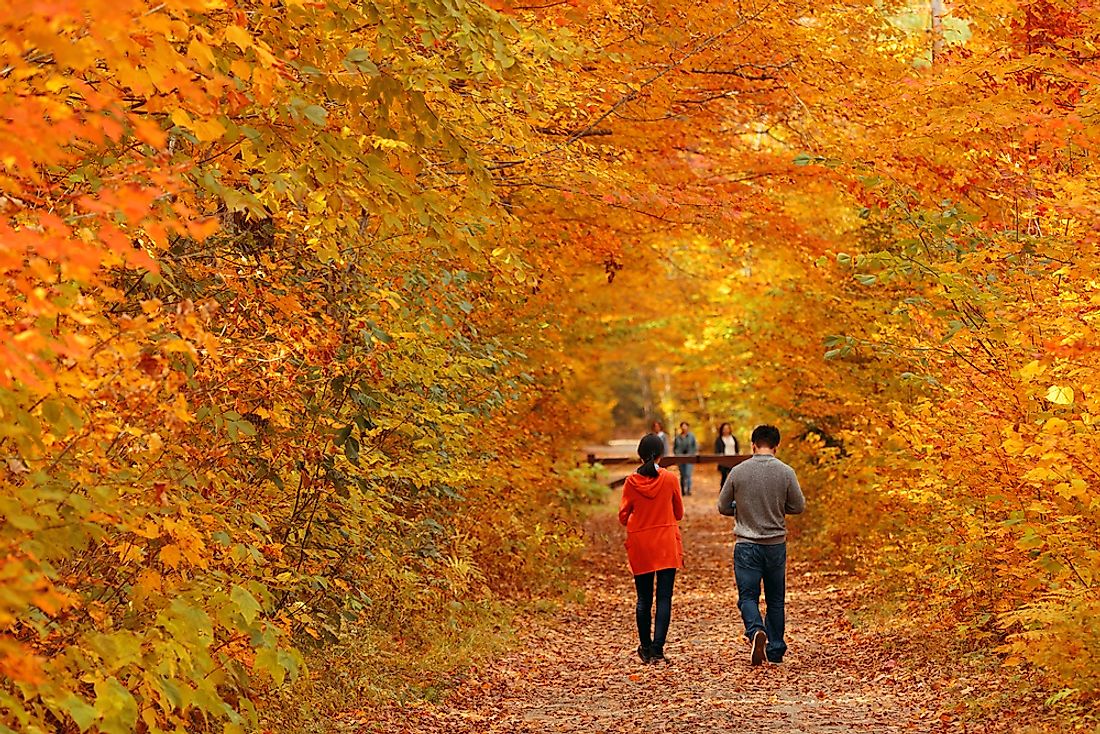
x=684 y=424
x=766 y=436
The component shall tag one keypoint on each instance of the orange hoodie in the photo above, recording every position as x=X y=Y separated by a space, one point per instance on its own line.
x=650 y=510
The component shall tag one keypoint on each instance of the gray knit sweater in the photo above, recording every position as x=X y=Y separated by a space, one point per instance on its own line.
x=765 y=489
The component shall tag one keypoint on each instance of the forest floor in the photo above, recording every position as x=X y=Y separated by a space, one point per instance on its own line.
x=576 y=672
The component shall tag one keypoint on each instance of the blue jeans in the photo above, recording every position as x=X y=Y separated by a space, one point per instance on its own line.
x=753 y=563
x=686 y=470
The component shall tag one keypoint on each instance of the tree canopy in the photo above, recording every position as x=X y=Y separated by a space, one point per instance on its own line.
x=305 y=305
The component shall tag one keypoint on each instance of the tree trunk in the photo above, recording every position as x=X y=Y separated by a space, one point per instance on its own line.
x=937 y=29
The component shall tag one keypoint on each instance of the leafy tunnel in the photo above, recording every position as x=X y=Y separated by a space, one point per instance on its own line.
x=306 y=307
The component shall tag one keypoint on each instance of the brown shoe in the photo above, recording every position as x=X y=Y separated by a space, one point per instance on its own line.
x=759 y=642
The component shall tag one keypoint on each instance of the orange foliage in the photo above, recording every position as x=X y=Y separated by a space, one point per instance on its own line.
x=302 y=303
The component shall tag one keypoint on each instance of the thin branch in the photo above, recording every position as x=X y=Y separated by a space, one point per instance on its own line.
x=633 y=94
x=737 y=70
x=542 y=7
x=584 y=134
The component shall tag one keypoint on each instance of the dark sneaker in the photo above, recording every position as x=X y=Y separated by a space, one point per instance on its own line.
x=657 y=655
x=774 y=661
x=643 y=653
x=759 y=642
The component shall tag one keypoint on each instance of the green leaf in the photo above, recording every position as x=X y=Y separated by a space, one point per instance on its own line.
x=82 y=713
x=246 y=603
x=316 y=114
x=188 y=624
x=115 y=707
x=267 y=660
x=51 y=411
x=359 y=59
x=13 y=511
x=289 y=662
x=119 y=648
x=1060 y=696
x=351 y=450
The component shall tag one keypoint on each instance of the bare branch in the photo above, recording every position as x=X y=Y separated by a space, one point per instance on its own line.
x=634 y=93
x=584 y=133
x=738 y=70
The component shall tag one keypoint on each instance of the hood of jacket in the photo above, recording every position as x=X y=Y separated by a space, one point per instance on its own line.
x=647 y=486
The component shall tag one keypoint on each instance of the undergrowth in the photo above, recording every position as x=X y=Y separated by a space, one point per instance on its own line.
x=418 y=658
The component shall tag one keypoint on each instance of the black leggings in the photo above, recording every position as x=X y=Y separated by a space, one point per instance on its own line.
x=644 y=584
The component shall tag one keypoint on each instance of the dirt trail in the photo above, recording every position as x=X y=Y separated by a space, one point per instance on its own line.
x=576 y=672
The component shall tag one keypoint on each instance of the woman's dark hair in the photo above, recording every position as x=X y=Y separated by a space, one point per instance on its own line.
x=723 y=426
x=650 y=449
x=766 y=436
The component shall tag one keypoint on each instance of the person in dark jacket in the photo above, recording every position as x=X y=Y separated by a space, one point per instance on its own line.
x=685 y=445
x=725 y=444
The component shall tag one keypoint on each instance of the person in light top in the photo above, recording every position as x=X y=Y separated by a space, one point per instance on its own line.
x=651 y=510
x=659 y=430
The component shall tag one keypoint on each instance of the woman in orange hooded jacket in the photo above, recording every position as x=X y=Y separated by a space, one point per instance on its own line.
x=651 y=509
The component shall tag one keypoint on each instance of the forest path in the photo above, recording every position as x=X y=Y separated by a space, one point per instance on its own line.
x=576 y=672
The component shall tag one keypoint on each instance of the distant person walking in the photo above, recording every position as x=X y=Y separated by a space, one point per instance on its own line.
x=651 y=509
x=685 y=445
x=759 y=493
x=725 y=444
x=659 y=430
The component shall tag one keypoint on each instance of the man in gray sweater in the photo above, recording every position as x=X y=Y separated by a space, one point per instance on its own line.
x=759 y=493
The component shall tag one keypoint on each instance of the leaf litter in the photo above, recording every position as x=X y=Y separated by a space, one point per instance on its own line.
x=575 y=671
